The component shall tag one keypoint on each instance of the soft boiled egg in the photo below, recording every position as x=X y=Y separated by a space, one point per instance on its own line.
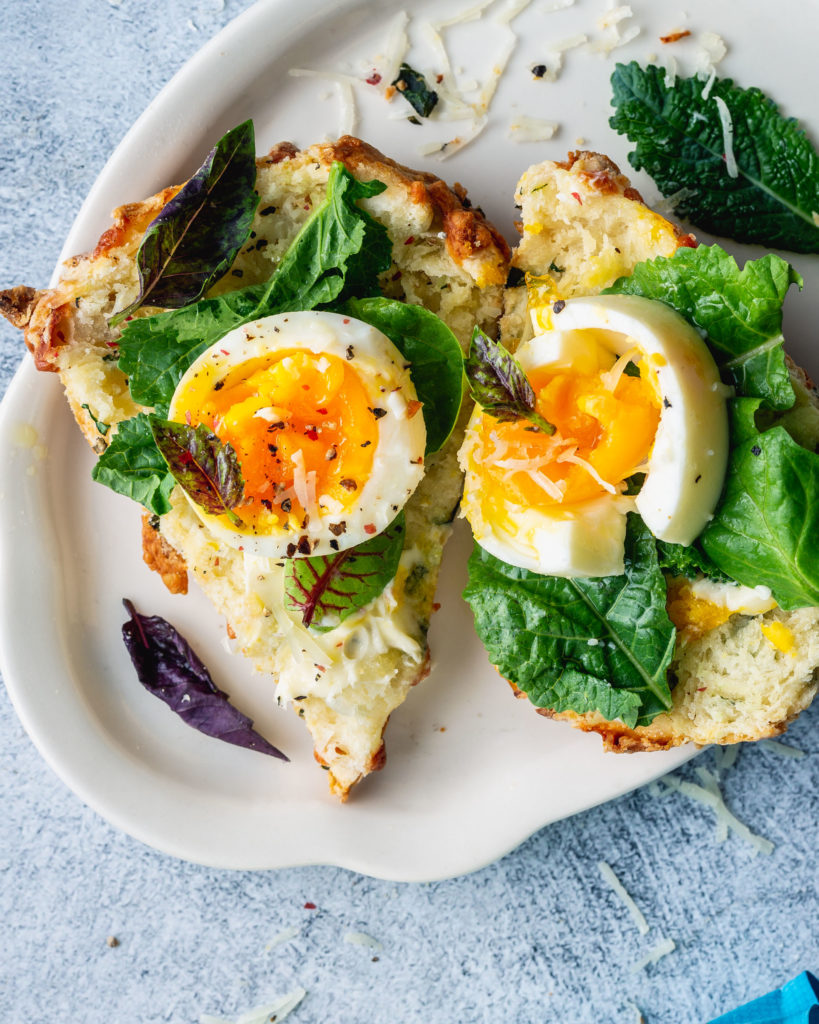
x=325 y=422
x=631 y=388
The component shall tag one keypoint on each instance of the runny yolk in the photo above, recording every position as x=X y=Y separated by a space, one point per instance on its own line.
x=298 y=422
x=610 y=431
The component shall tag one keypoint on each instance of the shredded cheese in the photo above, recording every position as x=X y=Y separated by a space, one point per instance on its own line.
x=467 y=14
x=577 y=460
x=717 y=804
x=611 y=378
x=396 y=46
x=511 y=11
x=277 y=1011
x=617 y=886
x=532 y=129
x=283 y=936
x=657 y=953
x=727 y=136
x=362 y=939
x=783 y=749
x=344 y=89
x=444 y=150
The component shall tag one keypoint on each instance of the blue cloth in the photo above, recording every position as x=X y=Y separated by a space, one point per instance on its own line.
x=794 y=1003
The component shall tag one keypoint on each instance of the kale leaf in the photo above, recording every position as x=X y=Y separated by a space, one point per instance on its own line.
x=413 y=87
x=132 y=465
x=678 y=132
x=600 y=644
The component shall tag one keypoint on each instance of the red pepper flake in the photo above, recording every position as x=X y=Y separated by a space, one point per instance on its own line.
x=322 y=411
x=576 y=195
x=309 y=906
x=436 y=606
x=305 y=387
x=689 y=241
x=410 y=240
x=346 y=320
x=673 y=37
x=370 y=528
x=374 y=78
x=112 y=344
x=701 y=689
x=439 y=79
x=413 y=407
x=224 y=351
x=312 y=433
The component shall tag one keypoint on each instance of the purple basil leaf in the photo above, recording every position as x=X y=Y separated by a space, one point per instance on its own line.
x=202 y=465
x=197 y=235
x=327 y=589
x=167 y=666
x=499 y=385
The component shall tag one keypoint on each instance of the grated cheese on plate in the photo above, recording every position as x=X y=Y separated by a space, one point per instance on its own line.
x=617 y=886
x=275 y=1011
x=717 y=804
x=657 y=953
x=532 y=129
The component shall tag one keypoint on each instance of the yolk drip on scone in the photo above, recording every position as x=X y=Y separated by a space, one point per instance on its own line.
x=630 y=388
x=324 y=420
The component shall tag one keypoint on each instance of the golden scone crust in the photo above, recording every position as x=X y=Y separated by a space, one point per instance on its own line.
x=446 y=257
x=582 y=227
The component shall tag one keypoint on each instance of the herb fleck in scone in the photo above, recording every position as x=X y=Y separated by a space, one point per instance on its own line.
x=344 y=678
x=646 y=513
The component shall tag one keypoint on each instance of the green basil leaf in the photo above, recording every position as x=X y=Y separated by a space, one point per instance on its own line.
x=499 y=385
x=327 y=589
x=437 y=364
x=197 y=235
x=132 y=465
x=413 y=87
x=740 y=311
x=766 y=527
x=680 y=142
x=340 y=251
x=600 y=644
x=204 y=467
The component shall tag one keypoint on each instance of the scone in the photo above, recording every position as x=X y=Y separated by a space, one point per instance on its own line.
x=446 y=258
x=741 y=667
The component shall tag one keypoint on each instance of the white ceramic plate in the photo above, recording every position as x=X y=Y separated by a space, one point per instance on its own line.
x=471 y=772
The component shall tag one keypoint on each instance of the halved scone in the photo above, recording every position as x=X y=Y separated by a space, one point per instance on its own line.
x=735 y=675
x=445 y=257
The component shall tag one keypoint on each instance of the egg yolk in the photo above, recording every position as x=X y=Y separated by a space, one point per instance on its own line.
x=302 y=426
x=602 y=436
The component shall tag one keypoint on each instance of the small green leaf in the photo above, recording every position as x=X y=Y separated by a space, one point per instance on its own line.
x=499 y=385
x=413 y=87
x=679 y=138
x=206 y=468
x=102 y=428
x=132 y=465
x=327 y=589
x=600 y=644
x=437 y=364
x=196 y=237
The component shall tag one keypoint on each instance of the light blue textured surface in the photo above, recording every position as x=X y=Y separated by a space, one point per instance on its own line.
x=537 y=937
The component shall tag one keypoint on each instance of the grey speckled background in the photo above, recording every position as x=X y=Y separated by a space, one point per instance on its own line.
x=536 y=937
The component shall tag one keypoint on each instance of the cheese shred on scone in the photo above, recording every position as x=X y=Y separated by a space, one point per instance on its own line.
x=343 y=667
x=642 y=479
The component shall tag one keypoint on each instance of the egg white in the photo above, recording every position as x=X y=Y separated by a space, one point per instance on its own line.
x=686 y=466
x=397 y=466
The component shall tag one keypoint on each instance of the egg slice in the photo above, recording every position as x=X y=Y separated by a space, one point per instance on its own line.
x=326 y=425
x=556 y=504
